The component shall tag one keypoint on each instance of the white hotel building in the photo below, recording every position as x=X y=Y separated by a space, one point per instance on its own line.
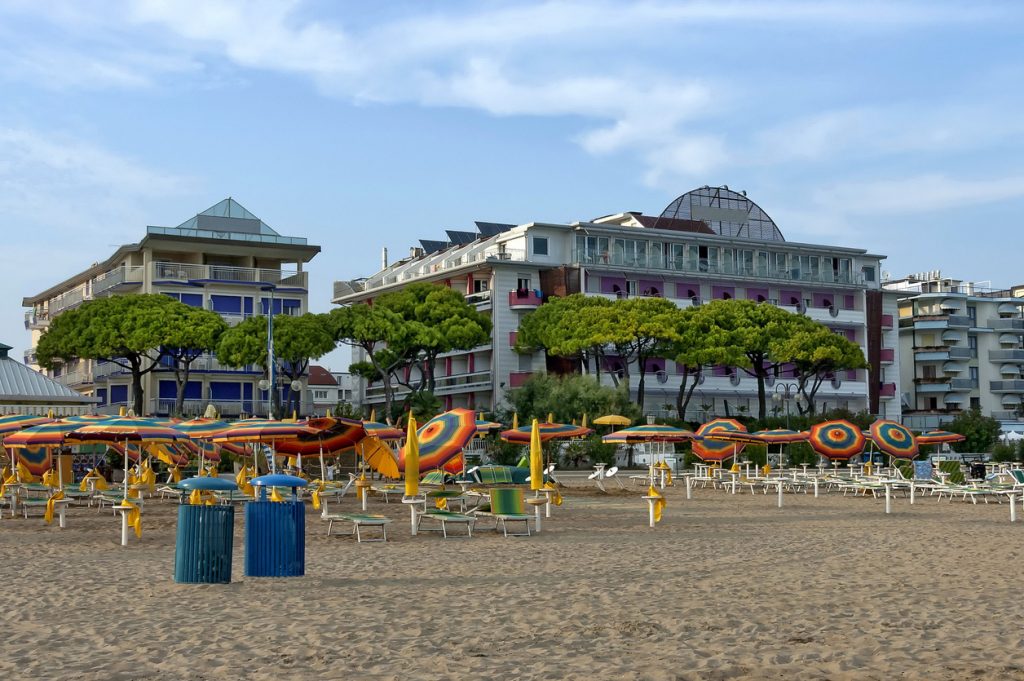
x=709 y=243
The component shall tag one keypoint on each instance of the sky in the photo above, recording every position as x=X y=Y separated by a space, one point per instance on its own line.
x=890 y=126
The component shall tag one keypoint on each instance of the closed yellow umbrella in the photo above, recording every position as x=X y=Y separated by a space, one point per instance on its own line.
x=584 y=423
x=515 y=420
x=536 y=458
x=551 y=417
x=412 y=460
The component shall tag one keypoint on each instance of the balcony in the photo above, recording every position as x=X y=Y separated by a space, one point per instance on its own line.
x=1014 y=386
x=30 y=356
x=444 y=385
x=118 y=278
x=940 y=353
x=513 y=337
x=887 y=390
x=516 y=379
x=887 y=356
x=835 y=315
x=1006 y=415
x=481 y=300
x=1006 y=355
x=1007 y=324
x=523 y=299
x=189 y=273
x=937 y=321
x=887 y=321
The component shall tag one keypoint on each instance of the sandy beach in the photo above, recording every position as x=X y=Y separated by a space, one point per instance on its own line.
x=727 y=587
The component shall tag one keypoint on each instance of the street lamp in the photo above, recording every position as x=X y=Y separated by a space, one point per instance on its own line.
x=784 y=392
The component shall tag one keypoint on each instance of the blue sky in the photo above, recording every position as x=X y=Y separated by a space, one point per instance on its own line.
x=889 y=126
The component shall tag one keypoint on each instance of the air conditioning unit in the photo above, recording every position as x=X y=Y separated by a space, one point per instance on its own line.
x=662 y=376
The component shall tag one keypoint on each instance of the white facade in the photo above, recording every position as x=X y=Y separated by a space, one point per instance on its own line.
x=962 y=347
x=508 y=272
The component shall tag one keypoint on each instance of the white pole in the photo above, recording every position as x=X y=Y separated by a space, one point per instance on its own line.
x=124 y=528
x=912 y=488
x=650 y=511
x=411 y=502
x=888 y=499
x=1013 y=508
x=536 y=509
x=815 y=488
x=780 y=492
x=689 y=486
x=125 y=486
x=323 y=468
x=365 y=491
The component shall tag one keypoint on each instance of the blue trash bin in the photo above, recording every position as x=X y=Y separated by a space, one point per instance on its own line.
x=203 y=548
x=275 y=532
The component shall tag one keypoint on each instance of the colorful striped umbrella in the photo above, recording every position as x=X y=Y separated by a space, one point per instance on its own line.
x=16 y=422
x=837 y=439
x=649 y=433
x=262 y=430
x=168 y=453
x=548 y=431
x=781 y=436
x=712 y=448
x=46 y=435
x=383 y=431
x=332 y=436
x=484 y=427
x=894 y=439
x=442 y=439
x=938 y=437
x=89 y=418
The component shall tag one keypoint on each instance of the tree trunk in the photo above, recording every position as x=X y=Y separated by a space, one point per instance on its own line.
x=182 y=368
x=138 y=398
x=640 y=385
x=685 y=394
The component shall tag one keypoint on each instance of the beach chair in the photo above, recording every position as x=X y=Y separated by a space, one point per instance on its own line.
x=507 y=504
x=358 y=520
x=444 y=518
x=956 y=485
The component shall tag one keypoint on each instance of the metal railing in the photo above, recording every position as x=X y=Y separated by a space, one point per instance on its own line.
x=1014 y=386
x=176 y=271
x=1006 y=324
x=1006 y=355
x=116 y=277
x=230 y=236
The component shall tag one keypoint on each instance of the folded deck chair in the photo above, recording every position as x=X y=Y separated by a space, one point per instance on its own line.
x=494 y=475
x=358 y=520
x=506 y=505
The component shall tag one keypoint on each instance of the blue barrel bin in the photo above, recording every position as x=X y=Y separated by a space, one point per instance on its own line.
x=275 y=531
x=203 y=548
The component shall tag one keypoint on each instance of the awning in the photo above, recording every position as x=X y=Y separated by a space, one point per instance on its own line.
x=1010 y=400
x=1010 y=370
x=953 y=398
x=954 y=367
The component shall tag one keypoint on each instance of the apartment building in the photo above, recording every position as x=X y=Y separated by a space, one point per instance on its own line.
x=709 y=243
x=960 y=348
x=328 y=388
x=224 y=259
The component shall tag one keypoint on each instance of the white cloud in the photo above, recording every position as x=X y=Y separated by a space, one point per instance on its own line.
x=920 y=194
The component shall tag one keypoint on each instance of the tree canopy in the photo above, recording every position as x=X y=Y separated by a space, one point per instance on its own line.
x=818 y=353
x=569 y=397
x=191 y=332
x=129 y=331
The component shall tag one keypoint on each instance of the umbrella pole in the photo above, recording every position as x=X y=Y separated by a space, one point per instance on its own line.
x=323 y=468
x=124 y=484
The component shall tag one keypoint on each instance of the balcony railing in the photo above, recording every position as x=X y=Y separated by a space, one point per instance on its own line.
x=1007 y=324
x=887 y=390
x=523 y=298
x=1006 y=355
x=1015 y=386
x=117 y=277
x=887 y=321
x=706 y=266
x=516 y=379
x=888 y=355
x=174 y=271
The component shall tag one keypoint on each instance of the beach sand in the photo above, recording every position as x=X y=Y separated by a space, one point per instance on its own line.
x=726 y=587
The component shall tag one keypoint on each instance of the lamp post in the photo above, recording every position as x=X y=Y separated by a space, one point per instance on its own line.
x=271 y=377
x=784 y=392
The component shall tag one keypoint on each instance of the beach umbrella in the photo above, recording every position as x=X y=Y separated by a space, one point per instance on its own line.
x=124 y=430
x=781 y=437
x=711 y=445
x=83 y=419
x=262 y=431
x=383 y=431
x=335 y=435
x=536 y=458
x=412 y=460
x=379 y=457
x=548 y=431
x=894 y=439
x=16 y=422
x=441 y=439
x=199 y=431
x=648 y=433
x=612 y=420
x=836 y=440
x=938 y=437
x=485 y=427
x=35 y=444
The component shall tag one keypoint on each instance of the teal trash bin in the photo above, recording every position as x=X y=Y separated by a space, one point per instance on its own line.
x=275 y=532
x=203 y=547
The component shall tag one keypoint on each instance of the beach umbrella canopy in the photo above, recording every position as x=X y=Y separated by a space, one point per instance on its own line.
x=648 y=433
x=441 y=439
x=894 y=439
x=536 y=458
x=168 y=453
x=484 y=427
x=262 y=430
x=45 y=435
x=711 y=447
x=837 y=439
x=82 y=419
x=612 y=420
x=16 y=422
x=383 y=431
x=938 y=437
x=781 y=436
x=412 y=459
x=332 y=436
x=548 y=431
x=379 y=457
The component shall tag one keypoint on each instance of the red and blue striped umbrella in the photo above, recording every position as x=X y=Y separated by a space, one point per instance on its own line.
x=262 y=430
x=938 y=437
x=712 y=448
x=442 y=438
x=894 y=439
x=648 y=433
x=837 y=439
x=333 y=435
x=124 y=429
x=46 y=435
x=548 y=431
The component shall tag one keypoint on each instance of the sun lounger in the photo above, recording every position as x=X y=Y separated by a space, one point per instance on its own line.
x=507 y=504
x=444 y=518
x=358 y=520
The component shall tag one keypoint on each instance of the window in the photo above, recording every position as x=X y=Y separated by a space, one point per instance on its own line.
x=632 y=288
x=972 y=312
x=868 y=272
x=972 y=343
x=319 y=394
x=972 y=372
x=522 y=283
x=479 y=285
x=975 y=403
x=540 y=245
